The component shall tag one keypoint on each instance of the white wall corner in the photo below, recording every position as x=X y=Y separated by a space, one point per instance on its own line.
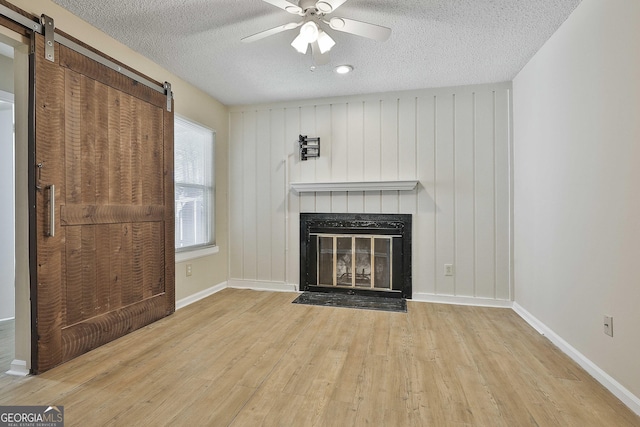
x=18 y=368
x=459 y=300
x=618 y=390
x=259 y=285
x=200 y=295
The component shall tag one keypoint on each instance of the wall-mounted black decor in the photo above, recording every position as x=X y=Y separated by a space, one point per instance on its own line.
x=309 y=147
x=365 y=254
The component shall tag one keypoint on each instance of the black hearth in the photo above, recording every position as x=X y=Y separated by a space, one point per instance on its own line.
x=365 y=254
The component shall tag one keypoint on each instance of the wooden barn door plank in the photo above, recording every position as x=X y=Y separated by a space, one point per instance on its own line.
x=106 y=144
x=49 y=139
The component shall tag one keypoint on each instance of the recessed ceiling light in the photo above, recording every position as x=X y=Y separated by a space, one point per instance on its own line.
x=343 y=69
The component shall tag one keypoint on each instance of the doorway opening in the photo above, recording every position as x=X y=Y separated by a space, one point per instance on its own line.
x=7 y=208
x=15 y=310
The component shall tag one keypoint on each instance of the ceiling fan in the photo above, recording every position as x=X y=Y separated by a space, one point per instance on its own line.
x=311 y=32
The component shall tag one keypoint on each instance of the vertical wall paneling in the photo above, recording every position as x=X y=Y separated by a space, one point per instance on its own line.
x=278 y=192
x=355 y=141
x=389 y=151
x=445 y=184
x=464 y=196
x=407 y=147
x=372 y=155
x=263 y=195
x=424 y=223
x=455 y=141
x=372 y=137
x=389 y=127
x=485 y=193
x=236 y=212
x=308 y=167
x=323 y=163
x=407 y=138
x=291 y=133
x=502 y=205
x=339 y=139
x=355 y=154
x=249 y=196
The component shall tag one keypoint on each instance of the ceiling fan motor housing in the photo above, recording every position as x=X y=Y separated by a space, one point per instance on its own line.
x=311 y=5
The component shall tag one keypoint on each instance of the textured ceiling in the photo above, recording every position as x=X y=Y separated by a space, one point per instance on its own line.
x=434 y=43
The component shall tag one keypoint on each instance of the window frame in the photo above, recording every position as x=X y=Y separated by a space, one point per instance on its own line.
x=199 y=250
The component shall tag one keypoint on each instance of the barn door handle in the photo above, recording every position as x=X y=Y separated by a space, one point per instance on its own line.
x=52 y=210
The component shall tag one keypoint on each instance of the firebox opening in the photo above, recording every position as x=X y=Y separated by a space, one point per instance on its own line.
x=354 y=261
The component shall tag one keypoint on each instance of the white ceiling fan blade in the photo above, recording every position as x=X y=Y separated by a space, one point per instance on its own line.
x=285 y=5
x=318 y=57
x=328 y=6
x=362 y=29
x=270 y=32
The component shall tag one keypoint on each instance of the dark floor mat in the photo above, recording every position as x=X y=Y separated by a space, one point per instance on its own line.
x=327 y=299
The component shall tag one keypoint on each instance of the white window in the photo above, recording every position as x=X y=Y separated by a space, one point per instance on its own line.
x=195 y=189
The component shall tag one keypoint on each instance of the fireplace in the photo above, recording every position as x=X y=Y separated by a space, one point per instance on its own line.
x=365 y=254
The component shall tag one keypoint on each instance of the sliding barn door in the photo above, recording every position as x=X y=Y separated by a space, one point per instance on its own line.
x=103 y=220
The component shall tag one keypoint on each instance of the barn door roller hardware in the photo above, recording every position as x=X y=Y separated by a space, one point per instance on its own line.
x=167 y=91
x=48 y=29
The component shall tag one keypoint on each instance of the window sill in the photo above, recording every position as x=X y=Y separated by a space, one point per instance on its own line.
x=196 y=253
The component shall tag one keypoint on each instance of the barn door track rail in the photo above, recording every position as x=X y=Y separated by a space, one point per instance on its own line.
x=46 y=27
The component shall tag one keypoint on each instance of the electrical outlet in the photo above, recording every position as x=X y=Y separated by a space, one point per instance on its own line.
x=189 y=270
x=608 y=325
x=448 y=269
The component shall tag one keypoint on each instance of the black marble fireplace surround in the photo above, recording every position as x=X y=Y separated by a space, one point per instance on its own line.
x=379 y=245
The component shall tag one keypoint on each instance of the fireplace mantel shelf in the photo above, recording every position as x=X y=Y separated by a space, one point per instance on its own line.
x=310 y=187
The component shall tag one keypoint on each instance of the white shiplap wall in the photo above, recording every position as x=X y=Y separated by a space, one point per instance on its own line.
x=455 y=141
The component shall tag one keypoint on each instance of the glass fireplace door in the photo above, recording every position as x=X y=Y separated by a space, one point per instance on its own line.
x=355 y=261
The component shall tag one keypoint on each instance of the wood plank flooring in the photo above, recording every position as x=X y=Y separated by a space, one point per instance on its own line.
x=7 y=344
x=247 y=358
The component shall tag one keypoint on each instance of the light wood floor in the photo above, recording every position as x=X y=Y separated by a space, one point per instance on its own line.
x=248 y=358
x=7 y=344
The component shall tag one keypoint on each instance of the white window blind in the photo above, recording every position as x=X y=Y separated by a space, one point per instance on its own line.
x=194 y=185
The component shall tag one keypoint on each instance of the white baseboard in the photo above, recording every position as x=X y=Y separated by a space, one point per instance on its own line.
x=262 y=285
x=628 y=398
x=18 y=368
x=238 y=284
x=446 y=299
x=200 y=295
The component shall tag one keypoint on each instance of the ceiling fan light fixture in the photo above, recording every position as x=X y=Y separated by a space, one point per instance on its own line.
x=309 y=32
x=325 y=42
x=300 y=44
